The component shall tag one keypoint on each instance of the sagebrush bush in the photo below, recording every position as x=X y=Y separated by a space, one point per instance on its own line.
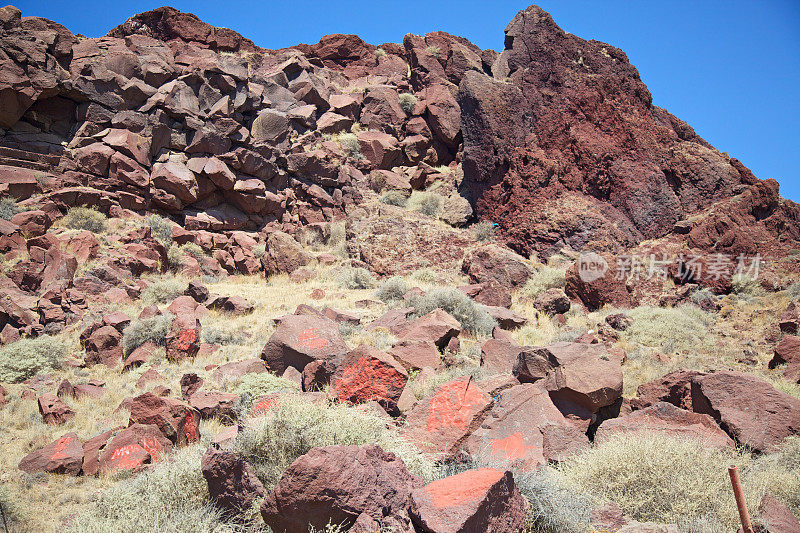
x=392 y=289
x=380 y=52
x=427 y=275
x=160 y=229
x=176 y=254
x=484 y=231
x=349 y=142
x=85 y=218
x=546 y=277
x=672 y=329
x=428 y=203
x=8 y=208
x=259 y=250
x=746 y=286
x=212 y=335
x=140 y=331
x=295 y=426
x=163 y=291
x=27 y=357
x=793 y=291
x=396 y=198
x=10 y=512
x=356 y=278
x=407 y=102
x=472 y=316
x=170 y=496
x=435 y=51
x=255 y=385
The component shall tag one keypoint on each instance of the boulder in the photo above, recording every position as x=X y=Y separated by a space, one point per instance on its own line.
x=197 y=291
x=232 y=483
x=414 y=355
x=177 y=421
x=788 y=352
x=63 y=456
x=790 y=319
x=215 y=404
x=439 y=424
x=368 y=374
x=238 y=369
x=300 y=339
x=525 y=429
x=674 y=388
x=91 y=452
x=234 y=305
x=104 y=346
x=380 y=149
x=437 y=327
x=54 y=412
x=619 y=321
x=133 y=449
x=751 y=411
x=337 y=484
x=316 y=376
x=485 y=499
x=506 y=318
x=776 y=516
x=552 y=301
x=494 y=264
x=500 y=356
x=667 y=419
x=283 y=254
x=593 y=280
x=190 y=383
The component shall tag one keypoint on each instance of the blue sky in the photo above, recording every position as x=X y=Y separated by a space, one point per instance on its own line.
x=731 y=69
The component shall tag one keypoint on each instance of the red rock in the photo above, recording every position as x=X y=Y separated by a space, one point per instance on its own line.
x=439 y=424
x=380 y=149
x=225 y=439
x=776 y=516
x=392 y=319
x=104 y=346
x=444 y=114
x=238 y=369
x=183 y=339
x=665 y=418
x=215 y=404
x=609 y=517
x=94 y=158
x=54 y=411
x=336 y=484
x=491 y=293
x=176 y=420
x=284 y=255
x=316 y=376
x=500 y=356
x=414 y=355
x=437 y=327
x=232 y=483
x=788 y=351
x=493 y=264
x=64 y=456
x=368 y=374
x=197 y=291
x=599 y=287
x=84 y=246
x=340 y=316
x=300 y=339
x=752 y=411
x=524 y=428
x=190 y=383
x=619 y=321
x=133 y=449
x=476 y=500
x=91 y=452
x=32 y=223
x=553 y=301
x=294 y=375
x=65 y=390
x=674 y=388
x=90 y=391
x=139 y=356
x=174 y=178
x=790 y=319
x=117 y=320
x=506 y=318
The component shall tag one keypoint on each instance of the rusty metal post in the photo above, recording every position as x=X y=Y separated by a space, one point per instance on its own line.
x=738 y=493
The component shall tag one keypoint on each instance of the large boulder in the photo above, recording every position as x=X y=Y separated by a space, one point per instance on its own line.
x=54 y=412
x=133 y=449
x=674 y=388
x=752 y=412
x=300 y=339
x=338 y=484
x=283 y=254
x=485 y=500
x=63 y=456
x=367 y=374
x=437 y=327
x=494 y=264
x=232 y=483
x=177 y=421
x=594 y=281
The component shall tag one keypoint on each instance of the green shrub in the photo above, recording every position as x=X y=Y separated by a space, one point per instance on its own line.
x=380 y=52
x=176 y=254
x=428 y=203
x=160 y=229
x=295 y=426
x=258 y=384
x=259 y=250
x=85 y=218
x=211 y=335
x=396 y=198
x=472 y=316
x=171 y=496
x=546 y=277
x=484 y=231
x=392 y=289
x=27 y=357
x=408 y=102
x=8 y=208
x=435 y=51
x=672 y=329
x=356 y=278
x=153 y=329
x=427 y=275
x=163 y=291
x=349 y=142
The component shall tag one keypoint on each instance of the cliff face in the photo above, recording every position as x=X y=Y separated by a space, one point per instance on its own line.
x=555 y=139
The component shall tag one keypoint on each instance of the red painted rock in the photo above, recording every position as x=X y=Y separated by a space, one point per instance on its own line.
x=64 y=456
x=476 y=500
x=284 y=254
x=91 y=452
x=300 y=339
x=54 y=411
x=494 y=264
x=215 y=404
x=524 y=428
x=594 y=290
x=437 y=327
x=238 y=369
x=665 y=418
x=176 y=420
x=232 y=484
x=368 y=374
x=674 y=388
x=439 y=424
x=183 y=338
x=104 y=346
x=776 y=516
x=336 y=484
x=414 y=355
x=133 y=449
x=751 y=410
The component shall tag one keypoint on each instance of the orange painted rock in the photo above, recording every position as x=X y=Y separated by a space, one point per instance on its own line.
x=176 y=420
x=439 y=424
x=368 y=374
x=337 y=484
x=64 y=456
x=183 y=338
x=54 y=411
x=300 y=339
x=485 y=500
x=524 y=428
x=133 y=449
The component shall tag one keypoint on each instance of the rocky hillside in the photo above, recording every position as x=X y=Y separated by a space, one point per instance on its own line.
x=415 y=287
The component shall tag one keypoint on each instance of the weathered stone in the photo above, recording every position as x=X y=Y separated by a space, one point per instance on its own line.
x=300 y=339
x=63 y=456
x=366 y=374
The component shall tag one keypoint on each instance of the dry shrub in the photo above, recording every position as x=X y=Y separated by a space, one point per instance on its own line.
x=356 y=278
x=162 y=291
x=547 y=277
x=472 y=316
x=28 y=357
x=153 y=329
x=392 y=289
x=670 y=328
x=85 y=218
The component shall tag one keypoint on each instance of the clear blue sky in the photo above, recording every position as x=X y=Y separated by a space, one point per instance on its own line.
x=731 y=69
